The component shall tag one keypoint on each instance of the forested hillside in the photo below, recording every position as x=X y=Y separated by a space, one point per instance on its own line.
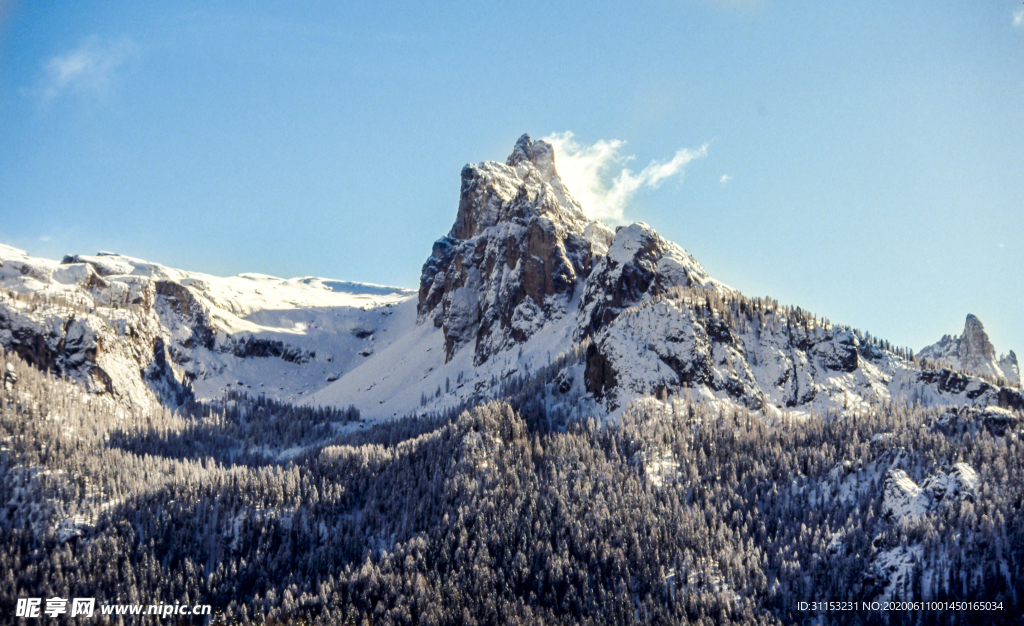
x=682 y=513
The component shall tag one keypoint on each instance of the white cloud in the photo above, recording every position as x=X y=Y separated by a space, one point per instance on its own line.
x=85 y=71
x=725 y=178
x=45 y=238
x=585 y=172
x=1018 y=18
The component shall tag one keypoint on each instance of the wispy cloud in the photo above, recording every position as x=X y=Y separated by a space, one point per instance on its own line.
x=1018 y=18
x=724 y=179
x=45 y=238
x=87 y=71
x=587 y=169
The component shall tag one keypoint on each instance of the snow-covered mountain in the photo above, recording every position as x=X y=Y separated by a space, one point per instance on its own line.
x=522 y=278
x=973 y=353
x=523 y=292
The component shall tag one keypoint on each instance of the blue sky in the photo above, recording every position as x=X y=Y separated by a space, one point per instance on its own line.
x=864 y=161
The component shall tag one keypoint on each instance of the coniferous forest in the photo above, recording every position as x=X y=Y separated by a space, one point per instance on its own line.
x=681 y=513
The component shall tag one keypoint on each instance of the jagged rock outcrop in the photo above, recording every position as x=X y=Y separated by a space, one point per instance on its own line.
x=973 y=353
x=195 y=329
x=975 y=349
x=249 y=346
x=513 y=258
x=903 y=498
x=1010 y=368
x=638 y=263
x=965 y=419
x=943 y=386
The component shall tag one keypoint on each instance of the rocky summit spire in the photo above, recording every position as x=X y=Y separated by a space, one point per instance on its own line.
x=974 y=353
x=540 y=154
x=488 y=195
x=975 y=349
x=513 y=257
x=1011 y=369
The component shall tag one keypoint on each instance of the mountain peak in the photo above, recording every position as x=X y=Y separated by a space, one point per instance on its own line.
x=513 y=257
x=536 y=159
x=975 y=347
x=526 y=186
x=521 y=246
x=540 y=153
x=973 y=352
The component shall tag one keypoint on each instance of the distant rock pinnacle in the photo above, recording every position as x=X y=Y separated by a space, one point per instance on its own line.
x=975 y=349
x=974 y=353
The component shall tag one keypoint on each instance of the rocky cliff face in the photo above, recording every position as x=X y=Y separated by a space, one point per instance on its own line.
x=973 y=353
x=513 y=258
x=118 y=351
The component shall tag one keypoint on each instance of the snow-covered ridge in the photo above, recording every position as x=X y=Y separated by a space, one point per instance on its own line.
x=103 y=319
x=522 y=278
x=724 y=346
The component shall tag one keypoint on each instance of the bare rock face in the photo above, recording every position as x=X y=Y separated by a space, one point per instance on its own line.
x=973 y=353
x=513 y=258
x=975 y=350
